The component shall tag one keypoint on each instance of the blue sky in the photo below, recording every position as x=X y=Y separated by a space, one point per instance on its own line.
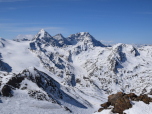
x=112 y=21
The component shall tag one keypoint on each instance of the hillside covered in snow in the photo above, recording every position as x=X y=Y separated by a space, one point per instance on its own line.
x=52 y=74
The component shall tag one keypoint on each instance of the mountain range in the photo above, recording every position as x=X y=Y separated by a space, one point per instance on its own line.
x=52 y=74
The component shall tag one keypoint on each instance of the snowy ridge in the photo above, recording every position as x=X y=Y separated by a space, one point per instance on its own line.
x=80 y=72
x=37 y=85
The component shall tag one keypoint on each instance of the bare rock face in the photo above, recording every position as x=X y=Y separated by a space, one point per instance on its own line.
x=122 y=101
x=15 y=81
x=143 y=98
x=6 y=91
x=121 y=104
x=106 y=105
x=100 y=109
x=4 y=66
x=113 y=98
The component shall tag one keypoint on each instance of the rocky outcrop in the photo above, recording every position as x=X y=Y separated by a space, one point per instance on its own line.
x=122 y=101
x=6 y=91
x=13 y=83
x=4 y=66
x=37 y=85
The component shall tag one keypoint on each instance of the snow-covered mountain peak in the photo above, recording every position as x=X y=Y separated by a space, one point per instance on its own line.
x=84 y=38
x=126 y=48
x=42 y=29
x=83 y=33
x=58 y=36
x=42 y=34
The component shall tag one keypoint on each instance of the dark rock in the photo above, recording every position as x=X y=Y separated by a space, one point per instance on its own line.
x=132 y=96
x=144 y=98
x=23 y=88
x=38 y=95
x=144 y=91
x=78 y=80
x=6 y=91
x=122 y=101
x=15 y=81
x=121 y=104
x=150 y=93
x=66 y=108
x=101 y=109
x=106 y=105
x=112 y=98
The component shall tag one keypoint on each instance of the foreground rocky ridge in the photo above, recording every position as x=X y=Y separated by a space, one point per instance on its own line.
x=81 y=68
x=37 y=85
x=122 y=101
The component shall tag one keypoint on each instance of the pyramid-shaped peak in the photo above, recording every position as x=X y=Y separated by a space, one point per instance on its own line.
x=42 y=33
x=42 y=29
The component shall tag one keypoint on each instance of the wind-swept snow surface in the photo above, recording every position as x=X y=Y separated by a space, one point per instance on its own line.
x=52 y=74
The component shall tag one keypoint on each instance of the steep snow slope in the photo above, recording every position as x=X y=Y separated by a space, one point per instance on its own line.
x=84 y=69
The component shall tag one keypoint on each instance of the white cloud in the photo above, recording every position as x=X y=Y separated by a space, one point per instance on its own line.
x=28 y=36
